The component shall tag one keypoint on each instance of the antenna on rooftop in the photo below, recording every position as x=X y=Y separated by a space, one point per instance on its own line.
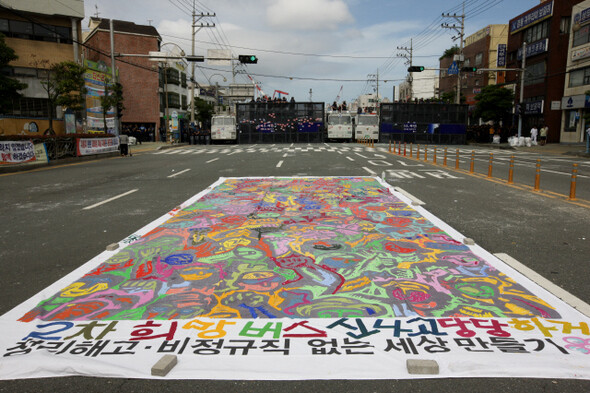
x=97 y=13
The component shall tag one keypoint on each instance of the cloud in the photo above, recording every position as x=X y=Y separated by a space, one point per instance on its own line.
x=309 y=14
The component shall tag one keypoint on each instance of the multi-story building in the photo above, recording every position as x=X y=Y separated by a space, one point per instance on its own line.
x=419 y=86
x=42 y=34
x=368 y=102
x=485 y=49
x=575 y=103
x=545 y=29
x=141 y=78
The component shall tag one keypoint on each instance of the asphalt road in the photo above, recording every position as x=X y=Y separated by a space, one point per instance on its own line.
x=56 y=219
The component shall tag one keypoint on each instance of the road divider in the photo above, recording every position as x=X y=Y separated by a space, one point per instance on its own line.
x=510 y=181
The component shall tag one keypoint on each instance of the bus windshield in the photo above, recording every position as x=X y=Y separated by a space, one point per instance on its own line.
x=368 y=120
x=223 y=121
x=336 y=120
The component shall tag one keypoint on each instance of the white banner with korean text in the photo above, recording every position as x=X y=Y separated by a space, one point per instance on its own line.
x=89 y=146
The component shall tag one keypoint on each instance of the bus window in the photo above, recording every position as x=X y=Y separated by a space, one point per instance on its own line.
x=368 y=120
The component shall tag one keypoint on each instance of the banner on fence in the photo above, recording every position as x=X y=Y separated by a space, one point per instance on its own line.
x=295 y=278
x=88 y=146
x=12 y=152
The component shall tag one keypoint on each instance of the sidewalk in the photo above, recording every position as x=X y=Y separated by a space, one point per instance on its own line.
x=569 y=149
x=133 y=149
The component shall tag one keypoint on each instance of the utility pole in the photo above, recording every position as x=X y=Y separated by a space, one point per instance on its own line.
x=520 y=108
x=461 y=31
x=196 y=24
x=375 y=78
x=114 y=72
x=408 y=56
x=310 y=95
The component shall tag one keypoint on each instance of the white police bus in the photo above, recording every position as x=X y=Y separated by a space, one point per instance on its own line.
x=367 y=126
x=340 y=126
x=223 y=128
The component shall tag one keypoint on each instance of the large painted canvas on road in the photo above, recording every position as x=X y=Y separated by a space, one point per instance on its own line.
x=280 y=268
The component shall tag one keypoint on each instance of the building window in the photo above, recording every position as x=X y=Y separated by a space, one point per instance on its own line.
x=580 y=77
x=581 y=36
x=28 y=107
x=535 y=73
x=537 y=32
x=35 y=31
x=564 y=25
x=478 y=59
x=173 y=76
x=174 y=100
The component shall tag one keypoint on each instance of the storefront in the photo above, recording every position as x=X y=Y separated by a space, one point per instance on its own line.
x=573 y=124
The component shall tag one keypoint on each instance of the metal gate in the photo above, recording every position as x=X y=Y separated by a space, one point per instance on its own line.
x=423 y=123
x=280 y=122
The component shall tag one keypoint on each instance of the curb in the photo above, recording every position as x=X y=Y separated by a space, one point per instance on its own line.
x=61 y=161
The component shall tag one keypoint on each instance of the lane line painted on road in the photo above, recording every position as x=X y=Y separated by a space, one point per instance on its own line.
x=350 y=159
x=210 y=161
x=279 y=164
x=110 y=199
x=370 y=171
x=179 y=173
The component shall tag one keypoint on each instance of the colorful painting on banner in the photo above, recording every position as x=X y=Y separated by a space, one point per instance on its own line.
x=304 y=266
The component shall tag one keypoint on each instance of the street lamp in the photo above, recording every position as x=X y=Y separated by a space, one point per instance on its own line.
x=216 y=87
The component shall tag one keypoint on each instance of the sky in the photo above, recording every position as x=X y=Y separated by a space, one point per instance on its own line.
x=318 y=49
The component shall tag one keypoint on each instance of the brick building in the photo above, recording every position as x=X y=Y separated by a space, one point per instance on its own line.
x=41 y=34
x=139 y=76
x=546 y=30
x=481 y=50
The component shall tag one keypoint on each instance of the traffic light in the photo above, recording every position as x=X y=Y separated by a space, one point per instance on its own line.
x=248 y=59
x=415 y=69
x=196 y=59
x=468 y=69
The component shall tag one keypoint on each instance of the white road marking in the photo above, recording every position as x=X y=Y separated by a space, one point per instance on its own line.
x=370 y=171
x=179 y=173
x=210 y=161
x=349 y=158
x=110 y=199
x=279 y=164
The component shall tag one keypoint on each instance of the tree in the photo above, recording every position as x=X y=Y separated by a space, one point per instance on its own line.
x=203 y=110
x=113 y=98
x=450 y=52
x=493 y=103
x=9 y=87
x=64 y=84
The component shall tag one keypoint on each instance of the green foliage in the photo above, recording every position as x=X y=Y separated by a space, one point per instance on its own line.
x=9 y=87
x=448 y=97
x=63 y=82
x=203 y=110
x=113 y=98
x=493 y=103
x=68 y=78
x=450 y=52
